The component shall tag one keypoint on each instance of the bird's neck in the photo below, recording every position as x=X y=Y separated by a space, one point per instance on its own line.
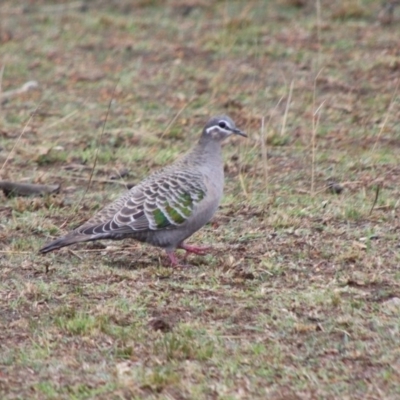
x=207 y=150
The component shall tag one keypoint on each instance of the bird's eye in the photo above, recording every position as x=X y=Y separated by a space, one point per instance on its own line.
x=222 y=124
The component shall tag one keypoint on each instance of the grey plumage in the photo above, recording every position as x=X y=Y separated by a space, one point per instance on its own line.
x=168 y=206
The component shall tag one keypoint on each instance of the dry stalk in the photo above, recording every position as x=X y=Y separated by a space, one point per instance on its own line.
x=97 y=151
x=318 y=12
x=392 y=102
x=243 y=186
x=315 y=120
x=264 y=154
x=1 y=84
x=176 y=116
x=264 y=138
x=287 y=109
x=315 y=123
x=19 y=138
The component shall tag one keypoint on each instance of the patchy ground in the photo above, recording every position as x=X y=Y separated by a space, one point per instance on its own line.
x=300 y=298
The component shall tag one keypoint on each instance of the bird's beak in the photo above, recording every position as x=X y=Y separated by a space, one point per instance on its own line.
x=238 y=132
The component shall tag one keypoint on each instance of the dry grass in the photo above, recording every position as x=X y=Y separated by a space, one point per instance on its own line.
x=300 y=297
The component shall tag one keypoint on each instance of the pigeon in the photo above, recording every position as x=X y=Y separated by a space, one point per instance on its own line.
x=168 y=206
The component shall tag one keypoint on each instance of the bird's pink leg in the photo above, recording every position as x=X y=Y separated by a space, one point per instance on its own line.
x=201 y=250
x=172 y=257
x=174 y=260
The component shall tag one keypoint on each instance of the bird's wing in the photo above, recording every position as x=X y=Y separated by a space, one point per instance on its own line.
x=164 y=202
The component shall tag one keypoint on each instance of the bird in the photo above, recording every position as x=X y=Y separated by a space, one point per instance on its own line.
x=168 y=206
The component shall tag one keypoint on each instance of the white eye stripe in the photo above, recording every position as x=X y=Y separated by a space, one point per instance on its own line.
x=216 y=127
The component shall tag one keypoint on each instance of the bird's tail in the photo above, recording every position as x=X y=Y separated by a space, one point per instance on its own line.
x=65 y=241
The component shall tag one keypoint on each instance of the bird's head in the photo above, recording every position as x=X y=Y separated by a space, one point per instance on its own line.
x=220 y=127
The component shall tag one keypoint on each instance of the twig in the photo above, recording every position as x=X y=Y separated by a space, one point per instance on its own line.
x=378 y=188
x=14 y=252
x=74 y=254
x=23 y=89
x=26 y=189
x=122 y=183
x=97 y=150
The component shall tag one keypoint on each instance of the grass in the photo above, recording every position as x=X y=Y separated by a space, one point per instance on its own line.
x=299 y=297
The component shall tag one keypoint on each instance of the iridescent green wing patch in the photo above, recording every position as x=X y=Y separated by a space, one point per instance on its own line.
x=175 y=211
x=160 y=219
x=185 y=204
x=174 y=215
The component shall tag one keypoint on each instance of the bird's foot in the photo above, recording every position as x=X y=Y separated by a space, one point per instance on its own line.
x=200 y=250
x=174 y=260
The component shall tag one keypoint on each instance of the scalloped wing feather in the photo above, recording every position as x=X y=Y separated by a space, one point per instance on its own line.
x=163 y=202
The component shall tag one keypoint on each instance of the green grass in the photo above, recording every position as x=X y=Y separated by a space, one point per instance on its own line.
x=299 y=297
